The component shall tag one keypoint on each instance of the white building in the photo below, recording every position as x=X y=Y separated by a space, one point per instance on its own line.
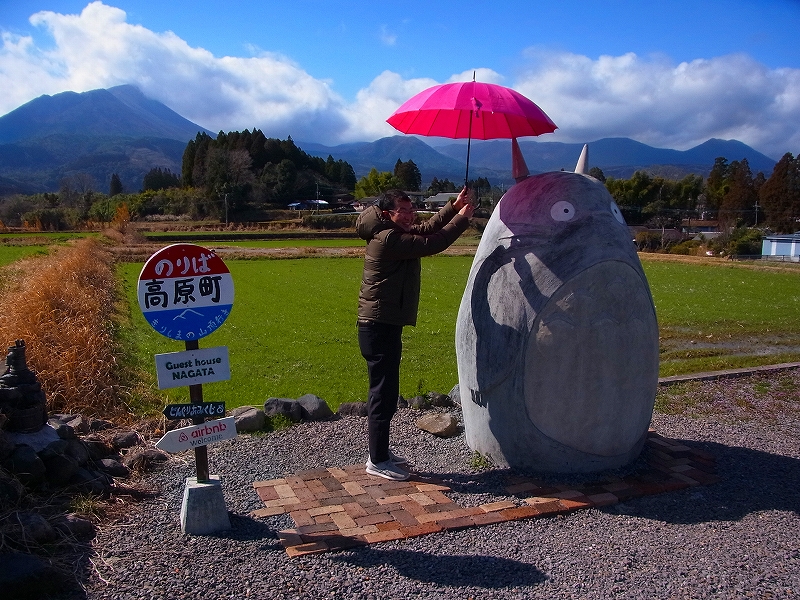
x=781 y=247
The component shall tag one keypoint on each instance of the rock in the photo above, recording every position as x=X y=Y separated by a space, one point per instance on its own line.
x=353 y=409
x=420 y=402
x=38 y=440
x=439 y=424
x=60 y=467
x=75 y=526
x=112 y=467
x=89 y=481
x=402 y=402
x=79 y=425
x=26 y=526
x=99 y=447
x=249 y=419
x=62 y=418
x=6 y=445
x=100 y=425
x=286 y=407
x=144 y=459
x=314 y=408
x=440 y=400
x=455 y=395
x=25 y=576
x=64 y=431
x=77 y=450
x=126 y=439
x=11 y=491
x=26 y=465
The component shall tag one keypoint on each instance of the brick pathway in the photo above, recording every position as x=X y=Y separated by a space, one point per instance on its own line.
x=337 y=508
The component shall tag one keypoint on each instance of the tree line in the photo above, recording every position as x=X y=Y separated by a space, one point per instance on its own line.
x=246 y=172
x=731 y=195
x=250 y=170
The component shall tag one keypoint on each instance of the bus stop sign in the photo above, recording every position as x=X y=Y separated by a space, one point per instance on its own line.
x=185 y=292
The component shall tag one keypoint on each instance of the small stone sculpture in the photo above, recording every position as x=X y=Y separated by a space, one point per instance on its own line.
x=556 y=337
x=21 y=397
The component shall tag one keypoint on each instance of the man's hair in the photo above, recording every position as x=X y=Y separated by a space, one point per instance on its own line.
x=388 y=199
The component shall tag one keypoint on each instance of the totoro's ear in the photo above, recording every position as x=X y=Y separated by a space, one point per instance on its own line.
x=583 y=161
x=519 y=170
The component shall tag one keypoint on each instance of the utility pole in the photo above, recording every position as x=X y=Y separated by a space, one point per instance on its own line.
x=756 y=213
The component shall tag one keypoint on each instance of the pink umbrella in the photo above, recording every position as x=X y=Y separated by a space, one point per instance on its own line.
x=471 y=109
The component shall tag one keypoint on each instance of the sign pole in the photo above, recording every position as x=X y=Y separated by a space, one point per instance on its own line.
x=196 y=397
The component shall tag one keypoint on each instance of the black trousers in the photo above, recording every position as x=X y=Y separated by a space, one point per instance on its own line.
x=381 y=346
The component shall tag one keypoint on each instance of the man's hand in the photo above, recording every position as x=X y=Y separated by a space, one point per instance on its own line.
x=464 y=199
x=467 y=210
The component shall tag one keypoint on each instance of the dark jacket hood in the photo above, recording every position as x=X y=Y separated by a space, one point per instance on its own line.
x=371 y=222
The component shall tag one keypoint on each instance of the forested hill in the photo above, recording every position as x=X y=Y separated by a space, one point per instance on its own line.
x=121 y=111
x=100 y=132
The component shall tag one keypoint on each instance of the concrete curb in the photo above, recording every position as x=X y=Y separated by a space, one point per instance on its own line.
x=727 y=374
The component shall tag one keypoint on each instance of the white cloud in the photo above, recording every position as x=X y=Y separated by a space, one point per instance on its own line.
x=662 y=104
x=388 y=38
x=99 y=49
x=375 y=103
x=652 y=99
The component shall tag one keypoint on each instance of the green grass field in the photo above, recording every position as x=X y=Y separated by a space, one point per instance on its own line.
x=292 y=329
x=14 y=246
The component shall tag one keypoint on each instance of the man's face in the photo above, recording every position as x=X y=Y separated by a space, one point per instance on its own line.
x=403 y=214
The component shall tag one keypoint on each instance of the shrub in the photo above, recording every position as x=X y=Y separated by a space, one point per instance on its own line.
x=687 y=247
x=329 y=221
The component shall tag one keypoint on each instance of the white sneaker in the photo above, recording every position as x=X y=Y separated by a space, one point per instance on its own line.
x=397 y=459
x=387 y=469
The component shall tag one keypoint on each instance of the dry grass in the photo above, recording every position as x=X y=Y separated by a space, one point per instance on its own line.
x=62 y=307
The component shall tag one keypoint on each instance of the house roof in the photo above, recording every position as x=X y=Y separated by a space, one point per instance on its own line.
x=441 y=198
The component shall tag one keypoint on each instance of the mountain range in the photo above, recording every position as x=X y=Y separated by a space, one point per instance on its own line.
x=120 y=130
x=617 y=157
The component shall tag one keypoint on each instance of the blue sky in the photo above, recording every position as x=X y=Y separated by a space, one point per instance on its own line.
x=669 y=74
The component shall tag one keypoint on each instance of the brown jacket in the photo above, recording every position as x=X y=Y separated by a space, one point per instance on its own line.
x=391 y=281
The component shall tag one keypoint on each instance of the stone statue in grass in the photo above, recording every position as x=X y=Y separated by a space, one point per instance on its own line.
x=556 y=337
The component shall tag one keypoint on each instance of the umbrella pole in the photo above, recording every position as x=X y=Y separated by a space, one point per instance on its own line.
x=476 y=106
x=469 y=140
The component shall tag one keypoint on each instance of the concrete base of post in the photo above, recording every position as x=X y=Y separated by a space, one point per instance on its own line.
x=203 y=511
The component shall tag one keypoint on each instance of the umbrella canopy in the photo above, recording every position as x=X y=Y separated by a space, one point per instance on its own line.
x=481 y=111
x=471 y=109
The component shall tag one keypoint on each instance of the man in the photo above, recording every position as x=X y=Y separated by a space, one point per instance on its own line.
x=389 y=299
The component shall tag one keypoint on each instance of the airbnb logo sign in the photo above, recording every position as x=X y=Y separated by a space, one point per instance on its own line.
x=195 y=436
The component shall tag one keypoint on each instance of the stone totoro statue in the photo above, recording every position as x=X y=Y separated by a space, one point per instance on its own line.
x=556 y=337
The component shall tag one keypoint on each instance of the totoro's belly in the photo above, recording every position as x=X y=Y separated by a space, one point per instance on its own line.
x=591 y=357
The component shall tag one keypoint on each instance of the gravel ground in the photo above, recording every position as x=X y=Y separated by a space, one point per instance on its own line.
x=736 y=539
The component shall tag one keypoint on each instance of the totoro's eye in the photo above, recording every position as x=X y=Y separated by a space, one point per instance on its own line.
x=617 y=212
x=562 y=211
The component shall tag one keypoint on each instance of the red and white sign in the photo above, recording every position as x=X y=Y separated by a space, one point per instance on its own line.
x=195 y=436
x=185 y=291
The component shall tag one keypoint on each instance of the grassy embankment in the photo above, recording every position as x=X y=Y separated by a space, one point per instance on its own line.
x=64 y=305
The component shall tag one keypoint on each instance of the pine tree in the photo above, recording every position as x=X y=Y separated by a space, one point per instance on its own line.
x=779 y=196
x=115 y=187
